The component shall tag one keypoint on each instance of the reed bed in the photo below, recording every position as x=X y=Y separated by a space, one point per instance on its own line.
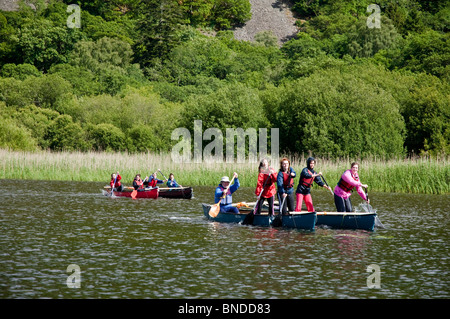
x=409 y=175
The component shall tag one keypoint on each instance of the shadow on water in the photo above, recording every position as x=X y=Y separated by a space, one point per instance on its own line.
x=165 y=248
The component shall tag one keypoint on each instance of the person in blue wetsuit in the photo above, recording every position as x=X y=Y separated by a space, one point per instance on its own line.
x=171 y=182
x=285 y=184
x=225 y=188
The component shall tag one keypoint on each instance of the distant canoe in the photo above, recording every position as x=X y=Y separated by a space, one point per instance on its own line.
x=146 y=193
x=176 y=192
x=298 y=220
x=347 y=220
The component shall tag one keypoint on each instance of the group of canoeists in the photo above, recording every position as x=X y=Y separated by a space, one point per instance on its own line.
x=284 y=179
x=140 y=184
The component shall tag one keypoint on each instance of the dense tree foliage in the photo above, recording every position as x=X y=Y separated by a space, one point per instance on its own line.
x=138 y=69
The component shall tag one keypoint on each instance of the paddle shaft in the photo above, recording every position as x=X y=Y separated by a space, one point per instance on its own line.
x=112 y=188
x=332 y=193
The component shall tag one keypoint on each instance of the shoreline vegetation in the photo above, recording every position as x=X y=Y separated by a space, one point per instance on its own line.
x=420 y=175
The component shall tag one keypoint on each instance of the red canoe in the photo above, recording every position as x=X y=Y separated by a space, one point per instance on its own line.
x=146 y=193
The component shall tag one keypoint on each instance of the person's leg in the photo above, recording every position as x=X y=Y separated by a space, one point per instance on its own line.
x=229 y=209
x=259 y=205
x=340 y=203
x=298 y=208
x=309 y=203
x=290 y=205
x=270 y=200
x=348 y=205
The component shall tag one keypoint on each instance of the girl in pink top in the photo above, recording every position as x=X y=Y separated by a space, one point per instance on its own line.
x=342 y=191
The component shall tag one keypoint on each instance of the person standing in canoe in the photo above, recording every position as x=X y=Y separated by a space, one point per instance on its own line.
x=171 y=182
x=138 y=183
x=115 y=183
x=342 y=192
x=226 y=202
x=307 y=177
x=265 y=187
x=285 y=185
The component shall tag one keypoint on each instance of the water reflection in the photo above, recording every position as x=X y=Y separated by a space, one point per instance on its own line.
x=165 y=248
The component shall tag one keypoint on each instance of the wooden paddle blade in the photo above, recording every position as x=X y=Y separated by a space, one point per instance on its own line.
x=134 y=194
x=214 y=211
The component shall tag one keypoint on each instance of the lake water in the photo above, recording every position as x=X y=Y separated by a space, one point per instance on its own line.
x=166 y=248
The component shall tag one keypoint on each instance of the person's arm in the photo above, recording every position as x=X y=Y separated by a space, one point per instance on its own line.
x=235 y=185
x=280 y=182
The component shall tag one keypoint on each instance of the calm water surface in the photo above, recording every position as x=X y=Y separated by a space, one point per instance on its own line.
x=165 y=248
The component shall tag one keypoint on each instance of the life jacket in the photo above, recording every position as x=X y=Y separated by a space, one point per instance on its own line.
x=307 y=182
x=139 y=183
x=228 y=198
x=346 y=186
x=288 y=181
x=117 y=184
x=152 y=183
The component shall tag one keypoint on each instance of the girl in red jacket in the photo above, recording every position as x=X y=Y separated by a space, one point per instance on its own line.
x=265 y=188
x=115 y=183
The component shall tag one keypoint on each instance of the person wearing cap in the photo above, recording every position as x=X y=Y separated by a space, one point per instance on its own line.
x=224 y=188
x=307 y=177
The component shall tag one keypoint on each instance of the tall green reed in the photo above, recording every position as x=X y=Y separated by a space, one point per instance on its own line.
x=408 y=175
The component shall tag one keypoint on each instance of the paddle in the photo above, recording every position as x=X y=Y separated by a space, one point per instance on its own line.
x=215 y=209
x=112 y=188
x=277 y=222
x=332 y=193
x=248 y=220
x=369 y=208
x=162 y=174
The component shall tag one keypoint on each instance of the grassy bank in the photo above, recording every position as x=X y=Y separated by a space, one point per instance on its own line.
x=420 y=175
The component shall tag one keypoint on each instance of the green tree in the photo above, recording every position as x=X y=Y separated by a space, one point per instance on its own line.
x=65 y=135
x=365 y=42
x=20 y=71
x=227 y=13
x=106 y=137
x=42 y=44
x=158 y=28
x=336 y=113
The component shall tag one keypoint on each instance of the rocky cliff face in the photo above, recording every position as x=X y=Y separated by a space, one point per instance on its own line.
x=9 y=5
x=269 y=15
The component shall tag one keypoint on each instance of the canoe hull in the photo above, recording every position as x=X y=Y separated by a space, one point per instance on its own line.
x=151 y=193
x=349 y=220
x=176 y=192
x=300 y=220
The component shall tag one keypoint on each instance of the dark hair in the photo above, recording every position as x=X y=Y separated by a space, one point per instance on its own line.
x=354 y=163
x=309 y=160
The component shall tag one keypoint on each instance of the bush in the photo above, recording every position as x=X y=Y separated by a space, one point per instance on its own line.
x=336 y=113
x=65 y=135
x=106 y=137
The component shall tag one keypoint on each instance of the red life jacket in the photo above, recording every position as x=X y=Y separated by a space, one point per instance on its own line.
x=152 y=183
x=346 y=186
x=288 y=181
x=307 y=182
x=140 y=183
